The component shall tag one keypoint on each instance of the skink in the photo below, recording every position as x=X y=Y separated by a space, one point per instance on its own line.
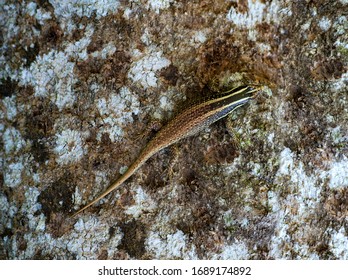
x=188 y=123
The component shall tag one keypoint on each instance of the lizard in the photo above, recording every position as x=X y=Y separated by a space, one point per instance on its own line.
x=187 y=123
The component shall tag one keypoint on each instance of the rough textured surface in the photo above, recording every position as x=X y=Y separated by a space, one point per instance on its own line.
x=81 y=83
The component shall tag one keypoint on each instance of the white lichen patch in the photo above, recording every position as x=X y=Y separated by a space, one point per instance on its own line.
x=339 y=244
x=253 y=16
x=38 y=13
x=9 y=107
x=270 y=138
x=78 y=50
x=69 y=146
x=166 y=103
x=30 y=206
x=341 y=83
x=164 y=243
x=257 y=12
x=303 y=199
x=88 y=235
x=337 y=174
x=286 y=163
x=117 y=111
x=171 y=246
x=108 y=50
x=228 y=219
x=7 y=210
x=5 y=70
x=13 y=174
x=12 y=140
x=143 y=202
x=337 y=135
x=101 y=179
x=198 y=37
x=305 y=27
x=84 y=8
x=13 y=178
x=144 y=67
x=308 y=189
x=52 y=74
x=127 y=13
x=264 y=48
x=77 y=198
x=8 y=20
x=324 y=24
x=340 y=26
x=281 y=235
x=83 y=242
x=145 y=38
x=157 y=5
x=237 y=251
x=301 y=202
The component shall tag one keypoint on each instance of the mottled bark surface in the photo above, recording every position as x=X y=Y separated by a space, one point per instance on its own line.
x=81 y=84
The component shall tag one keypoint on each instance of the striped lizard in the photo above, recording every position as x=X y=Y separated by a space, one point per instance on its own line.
x=188 y=123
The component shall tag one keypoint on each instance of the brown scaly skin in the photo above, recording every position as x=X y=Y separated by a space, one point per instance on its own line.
x=189 y=122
